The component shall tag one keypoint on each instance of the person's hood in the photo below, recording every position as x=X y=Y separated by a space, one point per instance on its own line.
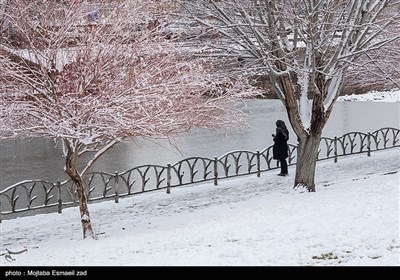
x=281 y=124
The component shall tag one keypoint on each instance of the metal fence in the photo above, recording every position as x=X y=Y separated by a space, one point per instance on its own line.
x=38 y=194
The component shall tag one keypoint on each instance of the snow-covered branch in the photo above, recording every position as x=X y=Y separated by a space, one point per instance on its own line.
x=307 y=46
x=95 y=81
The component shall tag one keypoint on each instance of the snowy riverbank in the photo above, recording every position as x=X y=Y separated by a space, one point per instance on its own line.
x=375 y=96
x=352 y=219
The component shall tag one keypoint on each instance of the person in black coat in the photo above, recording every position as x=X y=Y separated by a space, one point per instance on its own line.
x=281 y=149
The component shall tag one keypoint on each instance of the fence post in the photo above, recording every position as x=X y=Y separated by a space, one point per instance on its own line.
x=168 y=178
x=335 y=149
x=258 y=164
x=369 y=144
x=58 y=184
x=116 y=197
x=215 y=171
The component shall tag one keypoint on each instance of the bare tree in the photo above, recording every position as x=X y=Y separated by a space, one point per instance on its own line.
x=306 y=48
x=91 y=76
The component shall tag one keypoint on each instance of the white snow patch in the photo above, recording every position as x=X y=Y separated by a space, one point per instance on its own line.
x=374 y=96
x=305 y=105
x=333 y=90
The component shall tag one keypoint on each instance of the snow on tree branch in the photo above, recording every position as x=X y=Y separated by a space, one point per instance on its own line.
x=97 y=82
x=306 y=49
x=92 y=73
x=316 y=40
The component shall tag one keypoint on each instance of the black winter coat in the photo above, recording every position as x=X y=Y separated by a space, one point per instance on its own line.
x=280 y=149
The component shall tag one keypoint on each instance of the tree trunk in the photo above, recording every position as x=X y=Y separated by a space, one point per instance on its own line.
x=72 y=172
x=307 y=154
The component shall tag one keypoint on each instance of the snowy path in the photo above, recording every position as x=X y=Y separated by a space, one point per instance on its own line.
x=352 y=219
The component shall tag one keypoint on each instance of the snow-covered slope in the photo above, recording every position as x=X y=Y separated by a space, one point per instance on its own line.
x=375 y=96
x=352 y=219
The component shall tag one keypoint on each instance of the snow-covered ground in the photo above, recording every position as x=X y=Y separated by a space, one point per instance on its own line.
x=374 y=96
x=352 y=219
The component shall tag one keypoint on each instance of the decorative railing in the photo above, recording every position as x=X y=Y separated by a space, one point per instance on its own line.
x=37 y=194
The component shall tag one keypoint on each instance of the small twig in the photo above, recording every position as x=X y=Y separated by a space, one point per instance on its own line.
x=8 y=254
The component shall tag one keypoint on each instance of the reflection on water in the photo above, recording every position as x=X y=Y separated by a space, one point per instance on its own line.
x=42 y=158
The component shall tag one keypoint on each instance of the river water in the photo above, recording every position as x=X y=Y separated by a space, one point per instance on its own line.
x=42 y=158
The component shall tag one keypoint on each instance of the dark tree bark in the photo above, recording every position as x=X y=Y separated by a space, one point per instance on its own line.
x=72 y=172
x=307 y=153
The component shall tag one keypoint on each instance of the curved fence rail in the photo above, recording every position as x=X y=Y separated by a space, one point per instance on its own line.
x=37 y=194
